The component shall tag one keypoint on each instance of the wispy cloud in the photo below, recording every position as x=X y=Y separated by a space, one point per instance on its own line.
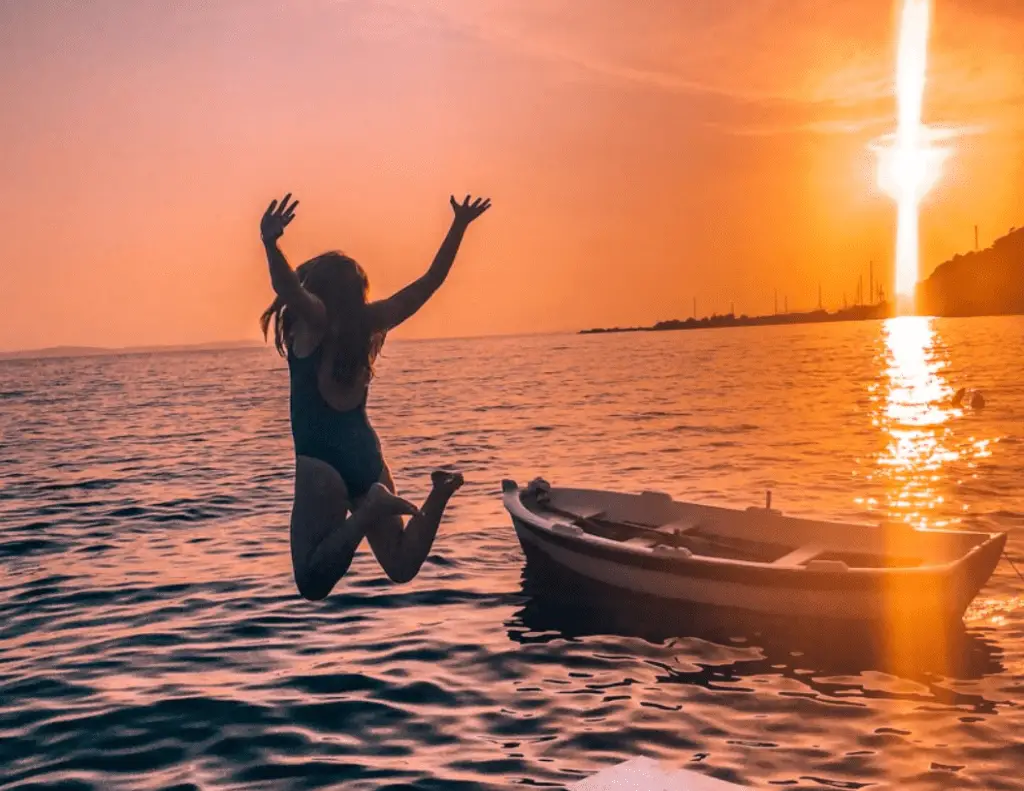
x=829 y=66
x=757 y=51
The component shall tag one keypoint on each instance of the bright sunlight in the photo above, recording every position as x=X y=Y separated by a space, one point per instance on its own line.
x=909 y=164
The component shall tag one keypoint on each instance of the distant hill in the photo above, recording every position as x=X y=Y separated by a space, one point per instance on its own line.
x=99 y=351
x=983 y=283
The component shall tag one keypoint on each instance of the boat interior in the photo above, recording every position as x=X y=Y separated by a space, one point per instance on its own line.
x=655 y=521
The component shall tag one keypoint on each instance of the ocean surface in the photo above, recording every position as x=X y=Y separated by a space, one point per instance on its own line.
x=151 y=636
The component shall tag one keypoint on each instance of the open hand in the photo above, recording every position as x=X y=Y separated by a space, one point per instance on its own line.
x=276 y=218
x=466 y=212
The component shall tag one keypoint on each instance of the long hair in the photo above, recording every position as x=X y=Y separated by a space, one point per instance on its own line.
x=343 y=287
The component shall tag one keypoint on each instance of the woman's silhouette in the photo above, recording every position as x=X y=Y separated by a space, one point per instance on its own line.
x=330 y=333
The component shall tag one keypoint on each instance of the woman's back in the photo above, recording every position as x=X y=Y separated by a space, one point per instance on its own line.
x=333 y=425
x=315 y=358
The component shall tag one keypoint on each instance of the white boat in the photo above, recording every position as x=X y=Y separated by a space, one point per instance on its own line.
x=756 y=559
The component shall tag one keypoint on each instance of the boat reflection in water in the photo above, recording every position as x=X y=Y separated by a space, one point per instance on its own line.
x=562 y=606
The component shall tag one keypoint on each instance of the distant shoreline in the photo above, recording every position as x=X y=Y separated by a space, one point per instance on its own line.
x=986 y=282
x=856 y=313
x=60 y=352
x=56 y=352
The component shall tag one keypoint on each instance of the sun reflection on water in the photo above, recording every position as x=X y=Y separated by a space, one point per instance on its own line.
x=915 y=415
x=927 y=452
x=927 y=456
x=931 y=447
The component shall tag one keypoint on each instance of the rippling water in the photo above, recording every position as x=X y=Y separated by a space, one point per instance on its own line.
x=150 y=635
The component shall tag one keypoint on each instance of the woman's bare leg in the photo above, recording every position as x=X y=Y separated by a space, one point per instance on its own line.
x=401 y=550
x=324 y=536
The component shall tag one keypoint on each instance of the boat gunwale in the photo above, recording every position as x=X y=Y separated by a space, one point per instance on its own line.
x=518 y=510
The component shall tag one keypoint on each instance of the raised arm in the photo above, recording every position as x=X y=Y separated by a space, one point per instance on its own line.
x=282 y=277
x=389 y=313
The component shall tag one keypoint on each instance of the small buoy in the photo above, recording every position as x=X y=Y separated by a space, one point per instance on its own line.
x=964 y=397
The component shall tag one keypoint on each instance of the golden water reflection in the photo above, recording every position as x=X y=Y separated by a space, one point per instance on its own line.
x=915 y=413
x=933 y=449
x=924 y=459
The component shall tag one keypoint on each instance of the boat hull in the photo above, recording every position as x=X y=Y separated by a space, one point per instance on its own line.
x=915 y=596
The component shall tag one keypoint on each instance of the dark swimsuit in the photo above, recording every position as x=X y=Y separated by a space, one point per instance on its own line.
x=345 y=440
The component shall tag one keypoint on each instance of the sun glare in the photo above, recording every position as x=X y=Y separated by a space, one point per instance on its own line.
x=909 y=163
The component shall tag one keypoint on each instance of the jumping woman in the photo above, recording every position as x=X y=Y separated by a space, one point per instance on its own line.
x=331 y=333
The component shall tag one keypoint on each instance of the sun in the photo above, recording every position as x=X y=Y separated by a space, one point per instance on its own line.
x=909 y=164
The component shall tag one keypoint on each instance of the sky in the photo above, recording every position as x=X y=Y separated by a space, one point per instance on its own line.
x=638 y=155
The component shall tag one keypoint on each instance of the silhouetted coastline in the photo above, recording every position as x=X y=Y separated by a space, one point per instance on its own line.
x=855 y=313
x=987 y=282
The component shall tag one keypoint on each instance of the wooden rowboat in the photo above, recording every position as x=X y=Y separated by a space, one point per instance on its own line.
x=755 y=559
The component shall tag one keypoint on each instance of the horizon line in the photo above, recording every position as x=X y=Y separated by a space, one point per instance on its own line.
x=83 y=350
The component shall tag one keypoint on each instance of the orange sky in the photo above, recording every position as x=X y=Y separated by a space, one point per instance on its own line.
x=638 y=155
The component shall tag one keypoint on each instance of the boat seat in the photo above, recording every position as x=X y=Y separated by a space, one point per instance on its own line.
x=672 y=552
x=827 y=565
x=588 y=512
x=800 y=555
x=679 y=526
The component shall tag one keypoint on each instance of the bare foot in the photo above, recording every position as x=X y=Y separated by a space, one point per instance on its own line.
x=382 y=500
x=446 y=483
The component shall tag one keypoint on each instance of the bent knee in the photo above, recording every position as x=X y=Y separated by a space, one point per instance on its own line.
x=401 y=573
x=401 y=577
x=310 y=588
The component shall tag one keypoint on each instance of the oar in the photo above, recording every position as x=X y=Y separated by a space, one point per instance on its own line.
x=688 y=541
x=595 y=524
